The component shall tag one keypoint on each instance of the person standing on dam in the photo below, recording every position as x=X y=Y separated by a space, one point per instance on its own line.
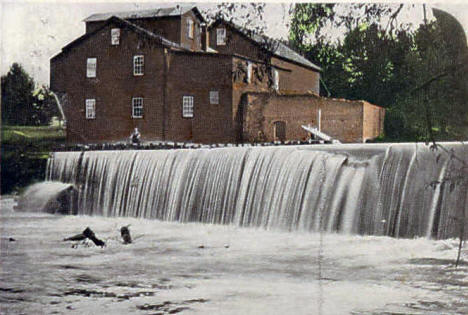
x=135 y=137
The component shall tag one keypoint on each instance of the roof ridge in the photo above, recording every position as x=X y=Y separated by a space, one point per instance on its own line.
x=141 y=29
x=129 y=14
x=162 y=40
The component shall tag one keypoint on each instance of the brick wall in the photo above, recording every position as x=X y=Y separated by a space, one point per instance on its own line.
x=172 y=28
x=187 y=42
x=297 y=78
x=293 y=77
x=340 y=119
x=113 y=87
x=264 y=109
x=196 y=74
x=373 y=121
x=235 y=43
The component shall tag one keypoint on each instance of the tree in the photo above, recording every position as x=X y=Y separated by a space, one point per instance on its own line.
x=44 y=107
x=22 y=104
x=17 y=96
x=439 y=68
x=384 y=62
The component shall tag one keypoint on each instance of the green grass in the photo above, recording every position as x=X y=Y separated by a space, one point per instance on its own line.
x=19 y=135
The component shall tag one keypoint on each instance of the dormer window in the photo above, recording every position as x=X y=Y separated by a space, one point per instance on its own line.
x=220 y=36
x=190 y=29
x=115 y=36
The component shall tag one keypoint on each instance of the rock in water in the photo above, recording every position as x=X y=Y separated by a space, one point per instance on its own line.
x=51 y=197
x=125 y=233
x=77 y=237
x=90 y=234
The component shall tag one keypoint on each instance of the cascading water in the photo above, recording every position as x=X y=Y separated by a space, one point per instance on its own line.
x=365 y=189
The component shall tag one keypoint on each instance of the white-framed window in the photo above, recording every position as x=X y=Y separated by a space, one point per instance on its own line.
x=249 y=72
x=138 y=64
x=91 y=66
x=115 y=36
x=137 y=107
x=214 y=97
x=90 y=108
x=220 y=36
x=187 y=107
x=275 y=79
x=190 y=28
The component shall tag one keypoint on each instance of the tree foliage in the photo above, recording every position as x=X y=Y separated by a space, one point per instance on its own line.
x=22 y=103
x=414 y=73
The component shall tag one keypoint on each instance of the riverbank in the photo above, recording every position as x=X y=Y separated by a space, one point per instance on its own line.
x=24 y=154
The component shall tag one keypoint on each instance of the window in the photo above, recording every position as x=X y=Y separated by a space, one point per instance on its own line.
x=249 y=72
x=221 y=36
x=91 y=65
x=115 y=36
x=214 y=97
x=138 y=65
x=90 y=108
x=187 y=107
x=137 y=107
x=275 y=79
x=190 y=28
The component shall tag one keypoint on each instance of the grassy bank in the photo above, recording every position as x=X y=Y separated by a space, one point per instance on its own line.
x=24 y=153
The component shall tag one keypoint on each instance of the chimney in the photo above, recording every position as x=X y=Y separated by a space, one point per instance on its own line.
x=205 y=37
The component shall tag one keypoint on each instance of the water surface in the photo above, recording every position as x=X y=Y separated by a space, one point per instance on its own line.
x=196 y=268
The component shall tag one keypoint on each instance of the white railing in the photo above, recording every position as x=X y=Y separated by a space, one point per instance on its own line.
x=316 y=132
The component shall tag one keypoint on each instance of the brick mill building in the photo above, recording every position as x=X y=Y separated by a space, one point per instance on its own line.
x=167 y=73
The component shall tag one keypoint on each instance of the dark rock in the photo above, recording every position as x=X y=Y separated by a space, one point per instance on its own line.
x=77 y=237
x=125 y=233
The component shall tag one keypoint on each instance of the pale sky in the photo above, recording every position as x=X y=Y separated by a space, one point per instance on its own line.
x=31 y=32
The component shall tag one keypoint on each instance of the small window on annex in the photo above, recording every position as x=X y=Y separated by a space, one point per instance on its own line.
x=138 y=65
x=214 y=97
x=137 y=107
x=187 y=107
x=90 y=108
x=91 y=65
x=190 y=28
x=115 y=36
x=220 y=36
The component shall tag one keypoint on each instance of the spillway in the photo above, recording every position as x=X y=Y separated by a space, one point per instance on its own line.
x=400 y=190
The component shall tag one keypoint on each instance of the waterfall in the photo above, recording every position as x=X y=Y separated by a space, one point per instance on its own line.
x=379 y=189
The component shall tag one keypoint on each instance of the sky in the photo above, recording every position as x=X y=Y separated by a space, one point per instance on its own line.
x=32 y=32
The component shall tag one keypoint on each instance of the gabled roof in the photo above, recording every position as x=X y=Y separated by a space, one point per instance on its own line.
x=144 y=14
x=123 y=23
x=278 y=48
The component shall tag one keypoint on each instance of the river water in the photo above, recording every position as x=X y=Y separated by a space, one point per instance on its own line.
x=198 y=268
